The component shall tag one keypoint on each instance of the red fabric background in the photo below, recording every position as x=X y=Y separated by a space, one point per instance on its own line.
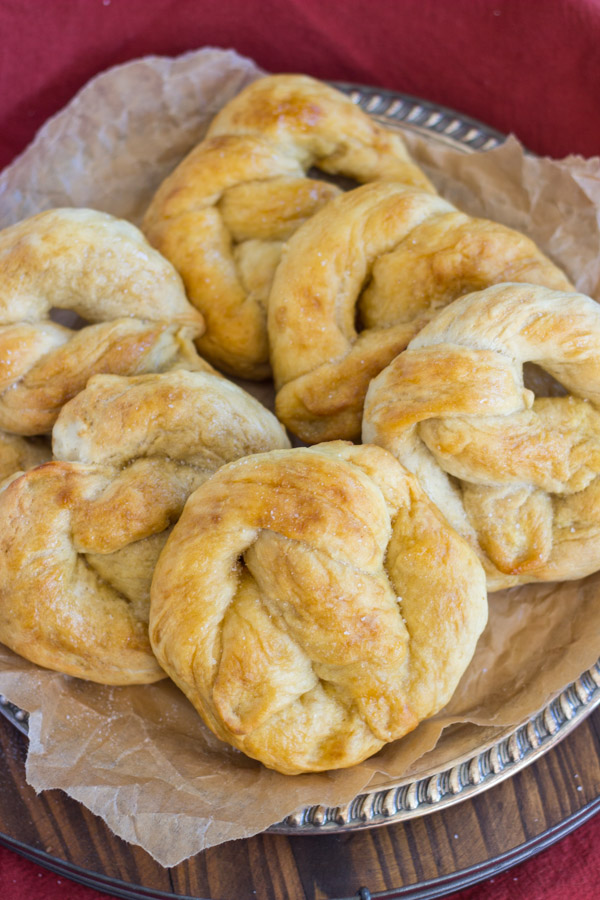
x=530 y=68
x=570 y=870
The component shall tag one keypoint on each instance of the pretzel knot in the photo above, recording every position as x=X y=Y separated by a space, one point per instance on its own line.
x=82 y=534
x=314 y=605
x=223 y=215
x=516 y=474
x=357 y=283
x=102 y=269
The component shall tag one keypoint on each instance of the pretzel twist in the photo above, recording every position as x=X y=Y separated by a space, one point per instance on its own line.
x=224 y=214
x=82 y=533
x=390 y=256
x=103 y=270
x=314 y=605
x=515 y=474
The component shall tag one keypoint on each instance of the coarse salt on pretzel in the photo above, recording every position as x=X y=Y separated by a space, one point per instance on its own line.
x=517 y=475
x=314 y=605
x=224 y=214
x=104 y=270
x=360 y=279
x=81 y=534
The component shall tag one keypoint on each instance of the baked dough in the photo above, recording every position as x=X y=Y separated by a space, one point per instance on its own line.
x=388 y=256
x=102 y=269
x=516 y=474
x=18 y=454
x=81 y=534
x=224 y=214
x=313 y=605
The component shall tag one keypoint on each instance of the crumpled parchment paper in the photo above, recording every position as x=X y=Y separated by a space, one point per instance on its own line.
x=140 y=757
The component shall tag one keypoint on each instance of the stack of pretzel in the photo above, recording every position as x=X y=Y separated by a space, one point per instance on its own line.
x=437 y=373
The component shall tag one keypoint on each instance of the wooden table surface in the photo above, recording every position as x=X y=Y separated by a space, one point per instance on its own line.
x=424 y=857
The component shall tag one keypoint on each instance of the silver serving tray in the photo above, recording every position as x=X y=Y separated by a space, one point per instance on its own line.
x=430 y=120
x=407 y=798
x=464 y=777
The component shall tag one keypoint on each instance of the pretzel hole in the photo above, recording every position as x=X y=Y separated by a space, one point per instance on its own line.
x=341 y=181
x=67 y=318
x=359 y=319
x=541 y=382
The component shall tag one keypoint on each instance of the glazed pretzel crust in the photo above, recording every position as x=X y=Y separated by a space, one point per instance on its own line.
x=313 y=605
x=391 y=257
x=223 y=216
x=517 y=475
x=103 y=270
x=82 y=534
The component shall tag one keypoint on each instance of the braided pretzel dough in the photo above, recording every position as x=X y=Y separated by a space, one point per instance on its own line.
x=394 y=255
x=102 y=269
x=516 y=475
x=81 y=535
x=352 y=616
x=222 y=216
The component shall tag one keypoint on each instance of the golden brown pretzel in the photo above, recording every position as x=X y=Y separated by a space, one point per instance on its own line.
x=516 y=475
x=222 y=216
x=314 y=605
x=392 y=256
x=104 y=270
x=81 y=535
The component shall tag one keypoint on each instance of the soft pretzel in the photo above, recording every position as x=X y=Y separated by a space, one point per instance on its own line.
x=390 y=256
x=44 y=365
x=515 y=474
x=222 y=216
x=314 y=605
x=104 y=270
x=81 y=534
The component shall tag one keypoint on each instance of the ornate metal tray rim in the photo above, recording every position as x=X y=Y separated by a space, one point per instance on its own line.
x=424 y=117
x=406 y=798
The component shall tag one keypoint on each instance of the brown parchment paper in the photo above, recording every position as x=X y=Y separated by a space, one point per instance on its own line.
x=140 y=757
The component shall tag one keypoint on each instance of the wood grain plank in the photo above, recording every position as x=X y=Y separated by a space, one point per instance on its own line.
x=470 y=840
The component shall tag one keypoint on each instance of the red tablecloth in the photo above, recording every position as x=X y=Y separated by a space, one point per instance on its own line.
x=569 y=870
x=528 y=68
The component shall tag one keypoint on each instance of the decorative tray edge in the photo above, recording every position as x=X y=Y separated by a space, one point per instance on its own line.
x=408 y=798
